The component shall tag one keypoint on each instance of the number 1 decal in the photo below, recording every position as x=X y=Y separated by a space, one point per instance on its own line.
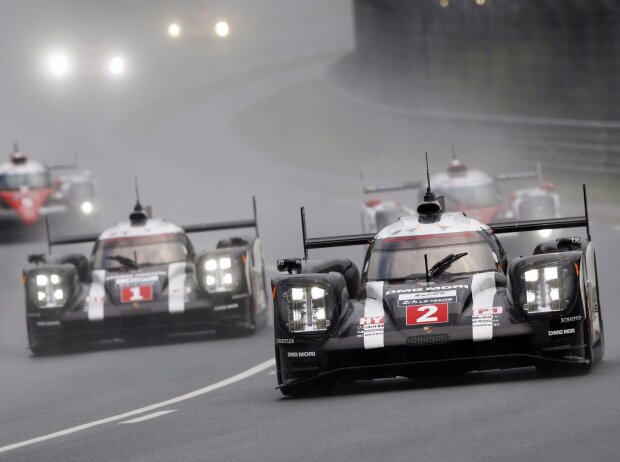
x=427 y=314
x=136 y=294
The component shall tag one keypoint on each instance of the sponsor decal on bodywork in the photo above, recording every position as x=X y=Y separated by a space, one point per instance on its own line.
x=373 y=308
x=133 y=279
x=446 y=296
x=570 y=319
x=285 y=340
x=96 y=296
x=371 y=326
x=176 y=287
x=409 y=290
x=427 y=314
x=484 y=315
x=301 y=354
x=561 y=332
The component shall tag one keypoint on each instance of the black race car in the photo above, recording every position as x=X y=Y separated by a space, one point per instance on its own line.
x=144 y=277
x=437 y=294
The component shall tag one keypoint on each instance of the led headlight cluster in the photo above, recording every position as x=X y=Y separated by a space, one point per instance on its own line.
x=219 y=274
x=50 y=291
x=308 y=309
x=544 y=290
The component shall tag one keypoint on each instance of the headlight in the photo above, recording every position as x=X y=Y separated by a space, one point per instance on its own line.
x=116 y=66
x=219 y=274
x=308 y=309
x=58 y=64
x=50 y=291
x=174 y=30
x=544 y=290
x=87 y=207
x=222 y=29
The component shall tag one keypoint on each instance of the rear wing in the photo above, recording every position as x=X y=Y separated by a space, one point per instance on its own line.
x=497 y=228
x=201 y=228
x=392 y=187
x=62 y=167
x=536 y=174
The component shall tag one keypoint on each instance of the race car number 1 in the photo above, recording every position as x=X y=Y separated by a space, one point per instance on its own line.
x=427 y=314
x=136 y=294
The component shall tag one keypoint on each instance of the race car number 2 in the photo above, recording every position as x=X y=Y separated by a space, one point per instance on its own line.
x=427 y=314
x=136 y=294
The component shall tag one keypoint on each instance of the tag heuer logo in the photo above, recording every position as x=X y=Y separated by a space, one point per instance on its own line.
x=428 y=329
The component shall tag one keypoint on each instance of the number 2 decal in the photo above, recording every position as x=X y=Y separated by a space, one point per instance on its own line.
x=427 y=314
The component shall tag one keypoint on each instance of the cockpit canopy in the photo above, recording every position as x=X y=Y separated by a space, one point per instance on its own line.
x=133 y=252
x=396 y=258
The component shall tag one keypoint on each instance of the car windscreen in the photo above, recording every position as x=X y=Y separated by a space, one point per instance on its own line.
x=136 y=252
x=403 y=257
x=15 y=181
x=472 y=196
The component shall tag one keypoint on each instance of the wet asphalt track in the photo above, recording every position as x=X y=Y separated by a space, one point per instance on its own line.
x=183 y=143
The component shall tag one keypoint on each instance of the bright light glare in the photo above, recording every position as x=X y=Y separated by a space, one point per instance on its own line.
x=41 y=295
x=87 y=208
x=210 y=265
x=227 y=278
x=55 y=279
x=42 y=280
x=554 y=294
x=317 y=293
x=59 y=294
x=531 y=275
x=225 y=263
x=297 y=293
x=551 y=273
x=59 y=64
x=531 y=296
x=545 y=233
x=116 y=65
x=174 y=30
x=222 y=29
x=210 y=280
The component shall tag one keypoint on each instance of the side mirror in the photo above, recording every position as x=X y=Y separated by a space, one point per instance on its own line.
x=289 y=265
x=37 y=258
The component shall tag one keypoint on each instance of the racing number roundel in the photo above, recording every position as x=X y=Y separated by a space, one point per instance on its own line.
x=427 y=314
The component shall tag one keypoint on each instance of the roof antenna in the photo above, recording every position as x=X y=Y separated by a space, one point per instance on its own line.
x=431 y=206
x=430 y=195
x=135 y=182
x=15 y=147
x=139 y=216
x=454 y=157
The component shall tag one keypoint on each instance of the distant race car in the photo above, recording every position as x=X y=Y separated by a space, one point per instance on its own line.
x=473 y=192
x=437 y=295
x=145 y=277
x=85 y=59
x=29 y=191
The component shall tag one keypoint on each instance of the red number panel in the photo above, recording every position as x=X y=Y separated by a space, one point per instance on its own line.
x=136 y=294
x=427 y=314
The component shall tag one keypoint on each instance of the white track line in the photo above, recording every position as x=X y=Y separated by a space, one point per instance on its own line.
x=235 y=378
x=147 y=417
